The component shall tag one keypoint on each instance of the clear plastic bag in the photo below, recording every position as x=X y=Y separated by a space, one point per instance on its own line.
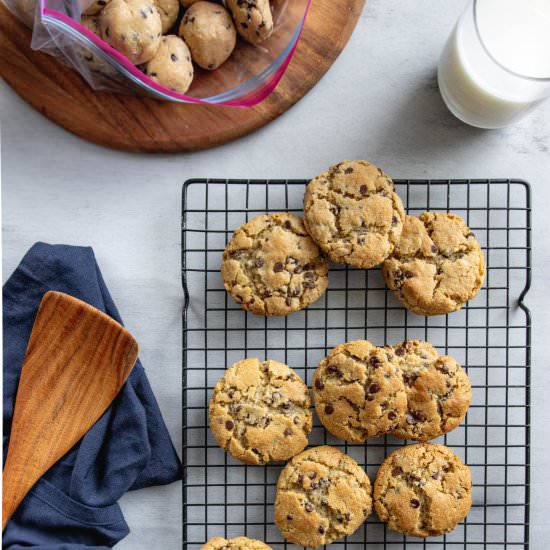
x=245 y=79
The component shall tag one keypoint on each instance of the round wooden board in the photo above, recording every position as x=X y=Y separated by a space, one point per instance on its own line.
x=147 y=125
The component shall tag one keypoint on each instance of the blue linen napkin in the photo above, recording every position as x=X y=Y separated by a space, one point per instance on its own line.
x=74 y=505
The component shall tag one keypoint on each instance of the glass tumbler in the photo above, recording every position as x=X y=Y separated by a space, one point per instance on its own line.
x=495 y=66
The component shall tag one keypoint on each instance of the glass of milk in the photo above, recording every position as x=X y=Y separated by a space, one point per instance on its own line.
x=495 y=66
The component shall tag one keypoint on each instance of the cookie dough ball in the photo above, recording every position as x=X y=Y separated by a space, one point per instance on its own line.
x=271 y=266
x=208 y=30
x=438 y=391
x=260 y=412
x=353 y=213
x=168 y=11
x=171 y=66
x=95 y=7
x=322 y=495
x=253 y=20
x=92 y=60
x=423 y=490
x=437 y=265
x=238 y=543
x=359 y=392
x=133 y=27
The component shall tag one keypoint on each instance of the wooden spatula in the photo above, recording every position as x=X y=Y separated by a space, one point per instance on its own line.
x=77 y=360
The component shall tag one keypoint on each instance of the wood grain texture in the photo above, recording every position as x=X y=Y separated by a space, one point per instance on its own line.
x=147 y=125
x=77 y=360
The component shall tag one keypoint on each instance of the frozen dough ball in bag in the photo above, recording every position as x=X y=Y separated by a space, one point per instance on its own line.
x=133 y=27
x=169 y=11
x=208 y=30
x=253 y=19
x=171 y=66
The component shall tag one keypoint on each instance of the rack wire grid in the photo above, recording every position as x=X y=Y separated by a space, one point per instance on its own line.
x=490 y=337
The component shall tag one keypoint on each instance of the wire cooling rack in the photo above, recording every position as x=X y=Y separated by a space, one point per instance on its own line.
x=490 y=337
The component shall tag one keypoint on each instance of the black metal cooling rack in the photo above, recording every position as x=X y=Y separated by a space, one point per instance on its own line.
x=490 y=337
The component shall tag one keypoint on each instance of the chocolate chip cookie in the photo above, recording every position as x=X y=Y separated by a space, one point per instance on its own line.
x=437 y=266
x=359 y=392
x=422 y=490
x=271 y=266
x=438 y=391
x=260 y=412
x=238 y=543
x=322 y=495
x=353 y=213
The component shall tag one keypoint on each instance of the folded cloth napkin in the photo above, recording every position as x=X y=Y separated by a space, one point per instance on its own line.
x=75 y=504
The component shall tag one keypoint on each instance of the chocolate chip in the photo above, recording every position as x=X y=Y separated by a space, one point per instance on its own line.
x=173 y=57
x=396 y=471
x=309 y=275
x=413 y=478
x=329 y=409
x=285 y=406
x=312 y=475
x=278 y=267
x=309 y=507
x=313 y=485
x=288 y=225
x=409 y=274
x=229 y=425
x=298 y=269
x=418 y=416
x=415 y=503
x=375 y=361
x=288 y=301
x=347 y=515
x=259 y=263
x=400 y=351
x=444 y=369
x=370 y=397
x=321 y=529
x=435 y=476
x=288 y=432
x=348 y=170
x=300 y=479
x=143 y=14
x=392 y=415
x=434 y=248
x=363 y=189
x=296 y=420
x=231 y=392
x=331 y=369
x=394 y=220
x=289 y=517
x=319 y=385
x=470 y=234
x=374 y=388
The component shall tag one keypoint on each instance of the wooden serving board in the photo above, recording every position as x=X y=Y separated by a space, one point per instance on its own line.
x=148 y=125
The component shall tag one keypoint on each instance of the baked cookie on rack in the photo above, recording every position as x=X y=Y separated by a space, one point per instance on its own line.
x=359 y=392
x=322 y=495
x=438 y=391
x=260 y=412
x=354 y=214
x=271 y=266
x=237 y=543
x=422 y=490
x=437 y=266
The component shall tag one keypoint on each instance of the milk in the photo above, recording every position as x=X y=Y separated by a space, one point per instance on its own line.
x=492 y=74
